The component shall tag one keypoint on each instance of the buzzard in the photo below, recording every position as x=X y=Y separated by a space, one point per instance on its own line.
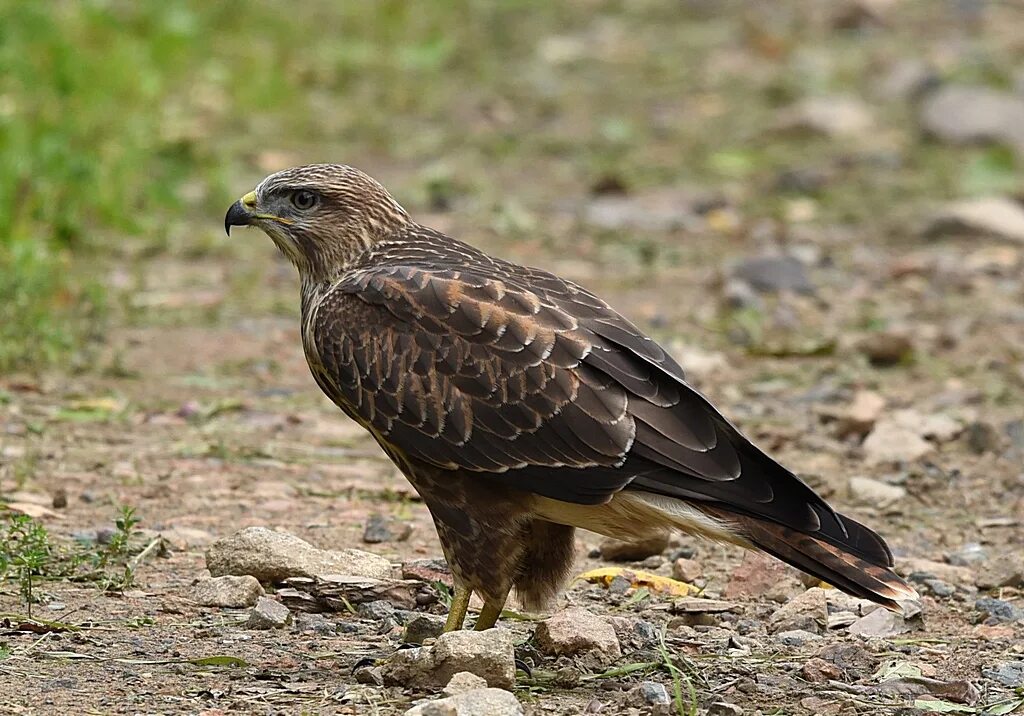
x=521 y=406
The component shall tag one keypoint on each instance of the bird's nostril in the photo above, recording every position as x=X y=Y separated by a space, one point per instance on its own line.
x=249 y=199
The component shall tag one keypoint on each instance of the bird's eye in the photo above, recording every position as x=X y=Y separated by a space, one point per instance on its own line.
x=304 y=199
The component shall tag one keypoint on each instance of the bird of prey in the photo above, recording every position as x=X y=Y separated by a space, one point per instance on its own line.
x=521 y=406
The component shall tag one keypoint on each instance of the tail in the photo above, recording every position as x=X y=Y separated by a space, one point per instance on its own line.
x=860 y=565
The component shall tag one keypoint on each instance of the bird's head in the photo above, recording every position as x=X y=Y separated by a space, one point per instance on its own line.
x=321 y=216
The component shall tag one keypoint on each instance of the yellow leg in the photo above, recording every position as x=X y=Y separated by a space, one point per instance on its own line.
x=489 y=615
x=457 y=612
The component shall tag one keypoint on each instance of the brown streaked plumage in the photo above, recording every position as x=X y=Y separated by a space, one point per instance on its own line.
x=521 y=406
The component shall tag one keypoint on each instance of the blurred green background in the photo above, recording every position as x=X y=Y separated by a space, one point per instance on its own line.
x=126 y=128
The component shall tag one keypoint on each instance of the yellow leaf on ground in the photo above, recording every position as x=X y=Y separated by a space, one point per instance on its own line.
x=637 y=579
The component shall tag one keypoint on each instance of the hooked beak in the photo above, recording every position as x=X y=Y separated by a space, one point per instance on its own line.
x=241 y=213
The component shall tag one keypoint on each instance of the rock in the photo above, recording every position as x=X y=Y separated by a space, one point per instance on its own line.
x=227 y=591
x=653 y=694
x=908 y=80
x=274 y=556
x=488 y=654
x=861 y=415
x=986 y=217
x=633 y=633
x=879 y=623
x=577 y=631
x=938 y=588
x=377 y=529
x=946 y=572
x=970 y=554
x=369 y=675
x=937 y=427
x=853 y=660
x=961 y=692
x=982 y=437
x=761 y=576
x=314 y=624
x=774 y=274
x=701 y=605
x=892 y=442
x=462 y=682
x=836 y=116
x=339 y=592
x=615 y=550
x=819 y=671
x=807 y=611
x=1010 y=673
x=998 y=611
x=686 y=570
x=662 y=209
x=867 y=491
x=477 y=702
x=724 y=708
x=885 y=349
x=428 y=570
x=422 y=627
x=1005 y=570
x=796 y=637
x=964 y=114
x=268 y=614
x=378 y=610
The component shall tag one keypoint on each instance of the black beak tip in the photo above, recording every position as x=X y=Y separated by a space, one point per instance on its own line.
x=237 y=215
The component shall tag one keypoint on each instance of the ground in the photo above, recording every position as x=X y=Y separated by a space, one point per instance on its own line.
x=648 y=177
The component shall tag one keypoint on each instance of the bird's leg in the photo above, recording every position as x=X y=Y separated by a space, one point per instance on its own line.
x=458 y=609
x=490 y=613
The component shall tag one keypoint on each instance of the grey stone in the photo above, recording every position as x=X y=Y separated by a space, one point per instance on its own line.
x=1005 y=570
x=969 y=555
x=964 y=114
x=940 y=589
x=377 y=529
x=853 y=660
x=653 y=693
x=998 y=611
x=724 y=708
x=1009 y=674
x=892 y=442
x=982 y=437
x=577 y=631
x=478 y=702
x=774 y=274
x=462 y=682
x=422 y=627
x=488 y=654
x=615 y=550
x=369 y=675
x=879 y=623
x=867 y=491
x=227 y=591
x=797 y=637
x=275 y=556
x=835 y=116
x=807 y=611
x=988 y=217
x=377 y=610
x=268 y=614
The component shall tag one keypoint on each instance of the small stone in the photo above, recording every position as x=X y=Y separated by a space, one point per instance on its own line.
x=940 y=589
x=369 y=675
x=908 y=80
x=615 y=550
x=268 y=614
x=987 y=217
x=60 y=499
x=686 y=570
x=951 y=573
x=879 y=623
x=821 y=707
x=275 y=556
x=969 y=555
x=885 y=349
x=578 y=631
x=1006 y=570
x=227 y=591
x=633 y=633
x=314 y=624
x=807 y=611
x=488 y=654
x=477 y=702
x=835 y=116
x=867 y=491
x=853 y=660
x=892 y=442
x=378 y=610
x=998 y=611
x=462 y=682
x=422 y=627
x=796 y=637
x=965 y=114
x=1010 y=673
x=724 y=708
x=760 y=576
x=377 y=529
x=982 y=438
x=653 y=694
x=861 y=415
x=819 y=671
x=774 y=274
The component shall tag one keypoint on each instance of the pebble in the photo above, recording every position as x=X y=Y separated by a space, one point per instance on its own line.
x=969 y=555
x=634 y=633
x=275 y=556
x=377 y=529
x=774 y=274
x=615 y=550
x=422 y=627
x=478 y=702
x=940 y=589
x=861 y=414
x=1010 y=673
x=854 y=660
x=577 y=631
x=892 y=442
x=832 y=116
x=227 y=591
x=724 y=708
x=879 y=623
x=966 y=114
x=818 y=671
x=885 y=349
x=761 y=576
x=377 y=610
x=462 y=682
x=653 y=693
x=687 y=570
x=867 y=491
x=998 y=611
x=488 y=654
x=1006 y=570
x=982 y=437
x=986 y=217
x=268 y=614
x=796 y=637
x=428 y=570
x=807 y=611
